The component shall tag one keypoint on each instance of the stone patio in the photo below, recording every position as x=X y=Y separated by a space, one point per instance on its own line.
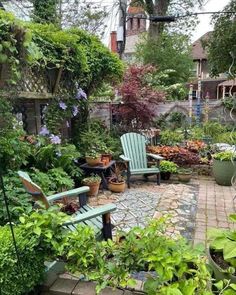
x=194 y=207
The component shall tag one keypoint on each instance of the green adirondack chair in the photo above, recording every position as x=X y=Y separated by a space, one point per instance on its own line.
x=98 y=218
x=134 y=148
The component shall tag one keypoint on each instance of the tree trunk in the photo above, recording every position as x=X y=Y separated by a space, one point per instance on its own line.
x=159 y=9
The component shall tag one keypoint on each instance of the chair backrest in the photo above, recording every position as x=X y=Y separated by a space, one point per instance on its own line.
x=33 y=189
x=134 y=147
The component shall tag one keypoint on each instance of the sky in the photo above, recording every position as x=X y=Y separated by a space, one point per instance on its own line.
x=204 y=25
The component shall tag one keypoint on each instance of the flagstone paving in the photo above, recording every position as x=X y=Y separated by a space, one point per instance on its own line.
x=193 y=207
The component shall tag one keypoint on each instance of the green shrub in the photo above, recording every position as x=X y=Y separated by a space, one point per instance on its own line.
x=213 y=129
x=14 y=150
x=31 y=264
x=39 y=236
x=175 y=267
x=48 y=156
x=101 y=139
x=196 y=133
x=171 y=137
x=226 y=137
x=18 y=200
x=54 y=180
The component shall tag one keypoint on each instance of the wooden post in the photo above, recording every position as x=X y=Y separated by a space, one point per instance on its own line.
x=106 y=230
x=55 y=88
x=83 y=199
x=223 y=92
x=190 y=99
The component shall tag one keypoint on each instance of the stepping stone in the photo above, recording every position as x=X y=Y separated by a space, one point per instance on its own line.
x=63 y=287
x=84 y=288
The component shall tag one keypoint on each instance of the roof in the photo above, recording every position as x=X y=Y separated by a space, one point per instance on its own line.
x=198 y=51
x=135 y=10
x=228 y=83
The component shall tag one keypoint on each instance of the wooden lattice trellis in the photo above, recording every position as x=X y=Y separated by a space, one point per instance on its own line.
x=34 y=90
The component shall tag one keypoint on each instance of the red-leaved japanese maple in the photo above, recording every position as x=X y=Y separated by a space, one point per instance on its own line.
x=139 y=100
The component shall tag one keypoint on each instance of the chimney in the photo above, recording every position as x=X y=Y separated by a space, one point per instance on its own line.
x=113 y=41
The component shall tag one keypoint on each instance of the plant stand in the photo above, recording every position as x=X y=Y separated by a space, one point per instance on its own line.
x=100 y=170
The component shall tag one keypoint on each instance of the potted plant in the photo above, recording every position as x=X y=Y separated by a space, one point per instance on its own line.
x=221 y=252
x=184 y=174
x=116 y=182
x=93 y=158
x=166 y=168
x=93 y=182
x=224 y=167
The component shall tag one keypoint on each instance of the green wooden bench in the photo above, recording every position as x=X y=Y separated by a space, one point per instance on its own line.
x=134 y=148
x=98 y=218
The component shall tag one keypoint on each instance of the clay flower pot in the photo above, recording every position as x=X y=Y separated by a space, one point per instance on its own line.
x=117 y=187
x=185 y=175
x=93 y=161
x=93 y=182
x=93 y=189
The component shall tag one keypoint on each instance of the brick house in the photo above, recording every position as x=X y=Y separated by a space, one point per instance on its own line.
x=209 y=85
x=135 y=26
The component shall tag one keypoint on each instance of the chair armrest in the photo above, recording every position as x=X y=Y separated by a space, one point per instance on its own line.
x=91 y=214
x=71 y=193
x=124 y=158
x=156 y=157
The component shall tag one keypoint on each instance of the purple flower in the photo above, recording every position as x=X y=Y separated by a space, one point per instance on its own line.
x=75 y=111
x=55 y=139
x=67 y=124
x=81 y=94
x=62 y=105
x=44 y=131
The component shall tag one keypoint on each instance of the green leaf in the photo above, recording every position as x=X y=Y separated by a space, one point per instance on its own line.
x=22 y=219
x=48 y=235
x=3 y=58
x=232 y=217
x=219 y=285
x=37 y=231
x=229 y=250
x=233 y=286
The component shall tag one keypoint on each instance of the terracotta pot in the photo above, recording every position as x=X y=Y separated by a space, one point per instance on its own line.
x=117 y=187
x=219 y=273
x=107 y=156
x=93 y=162
x=185 y=176
x=93 y=188
x=106 y=159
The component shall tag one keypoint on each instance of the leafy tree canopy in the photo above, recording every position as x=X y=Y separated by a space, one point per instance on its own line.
x=222 y=44
x=82 y=56
x=171 y=51
x=87 y=15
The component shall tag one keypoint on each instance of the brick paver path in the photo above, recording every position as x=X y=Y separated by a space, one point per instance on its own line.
x=214 y=204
